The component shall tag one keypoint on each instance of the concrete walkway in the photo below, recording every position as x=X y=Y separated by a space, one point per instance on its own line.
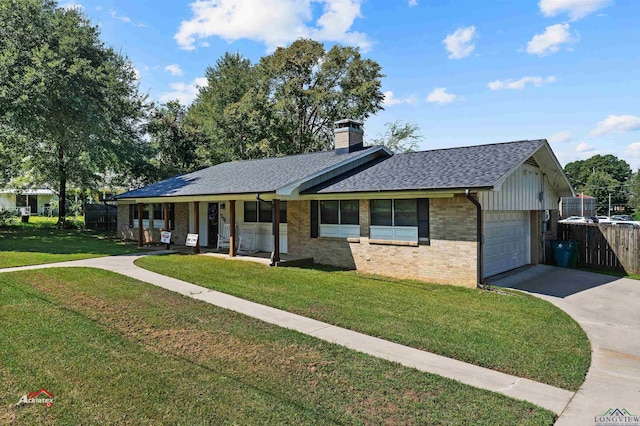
x=543 y=395
x=608 y=309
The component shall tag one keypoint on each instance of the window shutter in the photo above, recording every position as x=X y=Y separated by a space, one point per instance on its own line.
x=314 y=219
x=423 y=219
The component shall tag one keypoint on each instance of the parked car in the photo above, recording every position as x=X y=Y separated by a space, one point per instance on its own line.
x=574 y=219
x=622 y=217
x=627 y=224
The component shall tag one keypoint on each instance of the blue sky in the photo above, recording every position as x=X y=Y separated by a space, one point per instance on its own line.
x=466 y=71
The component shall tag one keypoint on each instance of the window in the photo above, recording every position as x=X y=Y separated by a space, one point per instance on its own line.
x=283 y=211
x=264 y=212
x=344 y=212
x=338 y=219
x=260 y=211
x=145 y=212
x=381 y=213
x=405 y=213
x=394 y=212
x=158 y=215
x=250 y=211
x=329 y=212
x=400 y=220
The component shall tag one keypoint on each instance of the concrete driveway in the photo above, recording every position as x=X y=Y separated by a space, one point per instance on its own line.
x=608 y=309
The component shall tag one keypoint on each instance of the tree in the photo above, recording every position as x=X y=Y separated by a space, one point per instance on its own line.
x=73 y=101
x=287 y=103
x=579 y=171
x=400 y=137
x=600 y=185
x=600 y=176
x=229 y=80
x=634 y=190
x=310 y=88
x=174 y=141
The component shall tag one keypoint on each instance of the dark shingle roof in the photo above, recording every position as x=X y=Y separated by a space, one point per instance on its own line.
x=249 y=176
x=467 y=167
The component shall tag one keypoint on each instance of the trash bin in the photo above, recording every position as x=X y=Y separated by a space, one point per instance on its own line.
x=25 y=218
x=565 y=253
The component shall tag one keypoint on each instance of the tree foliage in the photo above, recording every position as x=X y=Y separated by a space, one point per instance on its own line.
x=600 y=176
x=287 y=103
x=400 y=137
x=174 y=141
x=72 y=101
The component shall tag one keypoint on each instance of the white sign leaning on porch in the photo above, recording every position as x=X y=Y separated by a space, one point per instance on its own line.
x=165 y=237
x=192 y=240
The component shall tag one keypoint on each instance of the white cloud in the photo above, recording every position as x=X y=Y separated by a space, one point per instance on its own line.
x=616 y=124
x=173 y=69
x=576 y=9
x=70 y=6
x=520 y=84
x=272 y=22
x=634 y=150
x=439 y=95
x=136 y=74
x=413 y=3
x=460 y=44
x=560 y=137
x=584 y=147
x=184 y=92
x=122 y=18
x=114 y=14
x=391 y=100
x=551 y=40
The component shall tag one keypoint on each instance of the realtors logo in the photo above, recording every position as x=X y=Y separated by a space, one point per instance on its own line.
x=40 y=397
x=617 y=416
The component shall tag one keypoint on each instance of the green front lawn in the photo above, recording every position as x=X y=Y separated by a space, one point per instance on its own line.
x=514 y=333
x=39 y=242
x=113 y=350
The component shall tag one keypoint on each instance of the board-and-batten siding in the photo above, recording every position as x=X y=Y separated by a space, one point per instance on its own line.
x=520 y=191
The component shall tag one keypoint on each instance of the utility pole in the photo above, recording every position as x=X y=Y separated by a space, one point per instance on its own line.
x=609 y=205
x=582 y=204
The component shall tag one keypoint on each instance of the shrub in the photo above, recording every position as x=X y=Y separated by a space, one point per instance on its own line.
x=6 y=218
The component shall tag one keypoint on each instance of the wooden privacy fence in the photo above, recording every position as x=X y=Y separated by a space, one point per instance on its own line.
x=605 y=246
x=100 y=216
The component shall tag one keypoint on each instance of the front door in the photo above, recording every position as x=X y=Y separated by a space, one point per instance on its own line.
x=33 y=203
x=212 y=219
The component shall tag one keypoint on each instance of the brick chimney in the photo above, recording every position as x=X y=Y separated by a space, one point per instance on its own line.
x=348 y=136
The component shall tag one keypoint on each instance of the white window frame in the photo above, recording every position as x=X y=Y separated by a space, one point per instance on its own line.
x=393 y=232
x=339 y=230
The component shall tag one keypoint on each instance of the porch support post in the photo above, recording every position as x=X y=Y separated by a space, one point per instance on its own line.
x=232 y=226
x=276 y=233
x=166 y=223
x=140 y=225
x=196 y=225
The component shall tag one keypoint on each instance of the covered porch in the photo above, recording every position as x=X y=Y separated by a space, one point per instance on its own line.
x=245 y=226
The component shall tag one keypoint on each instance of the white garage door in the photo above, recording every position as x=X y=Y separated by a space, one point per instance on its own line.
x=506 y=241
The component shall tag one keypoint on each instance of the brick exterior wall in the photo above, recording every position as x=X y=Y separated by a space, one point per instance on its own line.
x=152 y=235
x=450 y=258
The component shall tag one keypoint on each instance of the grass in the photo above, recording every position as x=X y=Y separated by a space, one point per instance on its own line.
x=113 y=350
x=515 y=333
x=39 y=242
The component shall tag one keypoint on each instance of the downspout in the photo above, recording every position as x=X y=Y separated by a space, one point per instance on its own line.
x=479 y=235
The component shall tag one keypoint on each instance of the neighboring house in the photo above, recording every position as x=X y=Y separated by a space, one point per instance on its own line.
x=36 y=201
x=580 y=205
x=414 y=215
